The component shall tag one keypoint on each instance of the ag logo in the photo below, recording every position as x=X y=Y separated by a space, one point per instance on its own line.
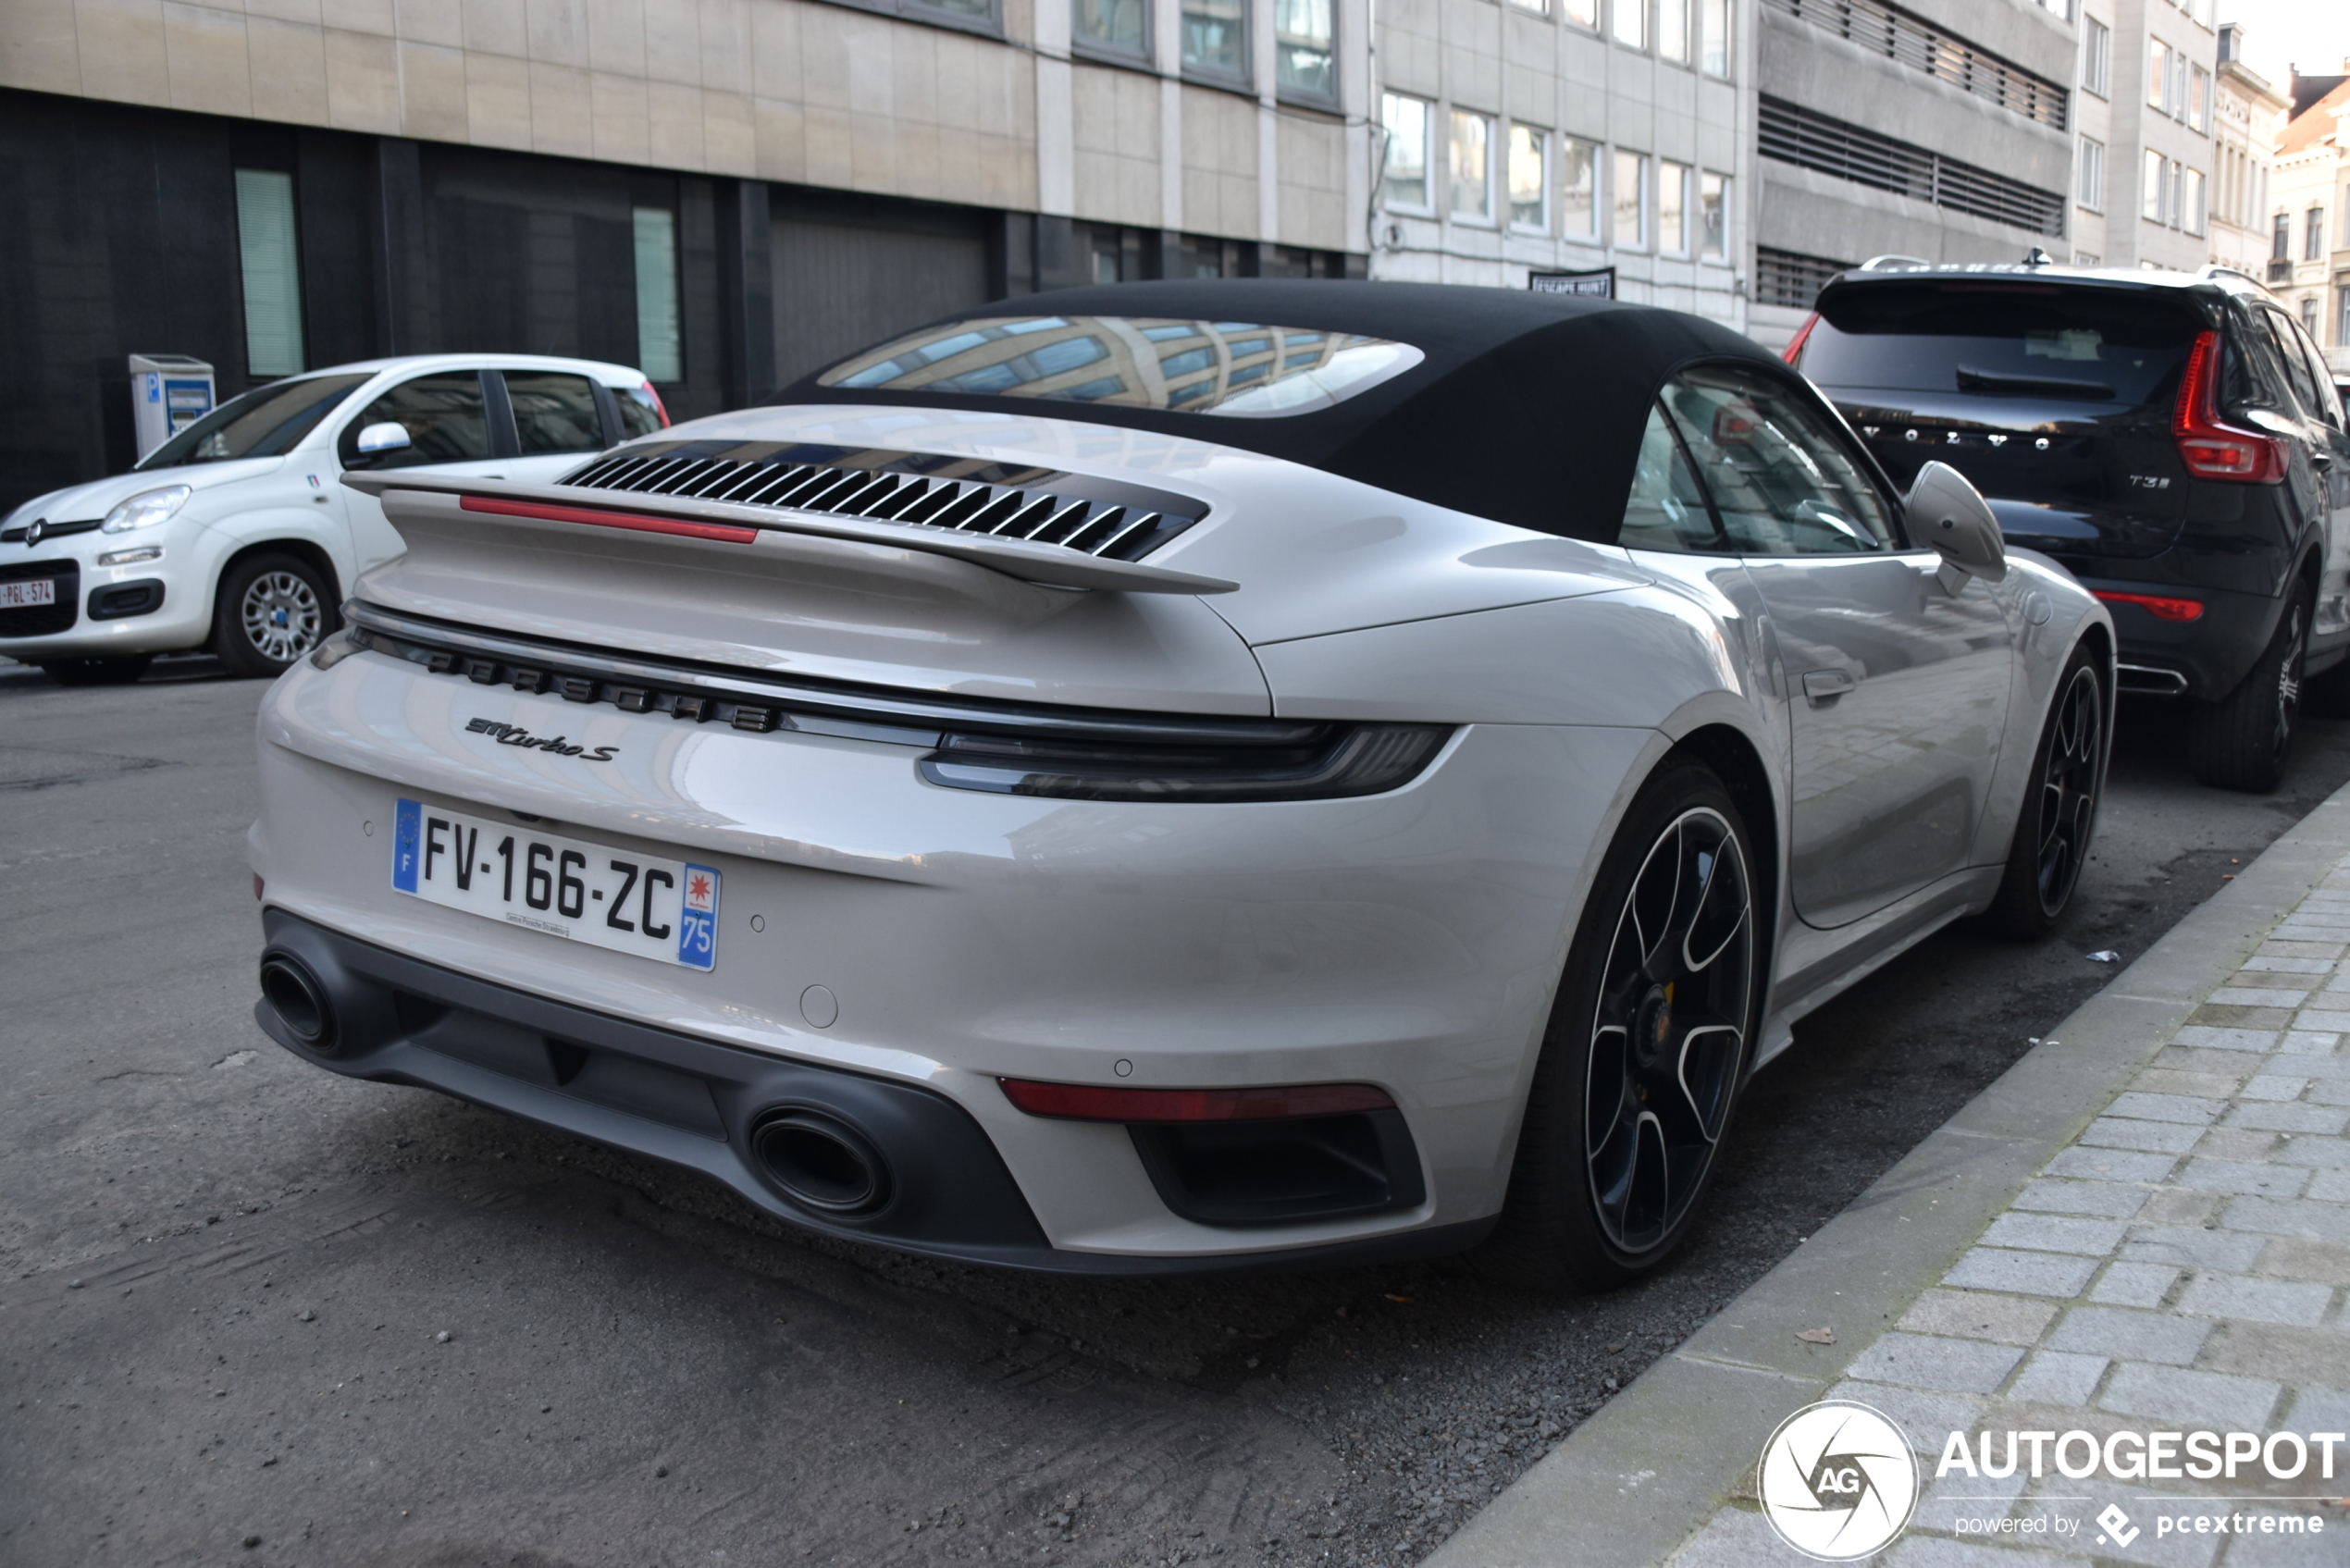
x=1838 y=1481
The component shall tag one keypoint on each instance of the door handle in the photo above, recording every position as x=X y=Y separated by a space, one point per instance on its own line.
x=1826 y=685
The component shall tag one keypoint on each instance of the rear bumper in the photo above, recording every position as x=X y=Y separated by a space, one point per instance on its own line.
x=697 y=1103
x=2204 y=658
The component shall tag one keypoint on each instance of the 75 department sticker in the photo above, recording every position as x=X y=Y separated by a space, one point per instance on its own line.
x=1838 y=1481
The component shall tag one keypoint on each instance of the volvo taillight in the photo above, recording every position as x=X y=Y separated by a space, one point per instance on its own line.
x=2211 y=448
x=1793 y=353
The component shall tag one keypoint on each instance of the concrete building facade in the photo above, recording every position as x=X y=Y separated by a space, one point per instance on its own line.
x=1608 y=140
x=2248 y=119
x=729 y=192
x=1940 y=130
x=2308 y=265
x=2144 y=156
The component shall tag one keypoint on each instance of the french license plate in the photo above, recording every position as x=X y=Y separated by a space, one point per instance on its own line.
x=26 y=592
x=663 y=910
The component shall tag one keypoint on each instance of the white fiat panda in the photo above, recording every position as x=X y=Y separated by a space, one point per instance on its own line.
x=238 y=535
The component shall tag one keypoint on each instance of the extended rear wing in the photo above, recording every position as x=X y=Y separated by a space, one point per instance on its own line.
x=722 y=522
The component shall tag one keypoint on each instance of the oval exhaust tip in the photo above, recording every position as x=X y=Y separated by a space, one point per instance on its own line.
x=299 y=1000
x=823 y=1162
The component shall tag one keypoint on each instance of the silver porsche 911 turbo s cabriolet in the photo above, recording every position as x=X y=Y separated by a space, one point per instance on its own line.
x=1178 y=777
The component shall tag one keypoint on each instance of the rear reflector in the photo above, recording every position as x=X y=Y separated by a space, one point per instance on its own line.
x=1079 y=1102
x=2160 y=607
x=608 y=519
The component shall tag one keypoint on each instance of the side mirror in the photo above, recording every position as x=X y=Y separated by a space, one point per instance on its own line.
x=1950 y=515
x=377 y=439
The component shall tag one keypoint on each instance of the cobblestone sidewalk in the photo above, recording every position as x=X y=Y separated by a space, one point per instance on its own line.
x=2181 y=1265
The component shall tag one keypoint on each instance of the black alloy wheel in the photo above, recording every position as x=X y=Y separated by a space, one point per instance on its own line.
x=2059 y=812
x=1648 y=1047
x=2243 y=740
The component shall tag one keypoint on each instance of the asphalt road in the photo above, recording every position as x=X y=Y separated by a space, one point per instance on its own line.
x=254 y=1313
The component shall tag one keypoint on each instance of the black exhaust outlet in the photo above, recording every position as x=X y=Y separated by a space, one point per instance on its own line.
x=823 y=1162
x=299 y=1000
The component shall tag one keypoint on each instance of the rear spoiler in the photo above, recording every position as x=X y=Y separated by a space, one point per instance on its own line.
x=719 y=521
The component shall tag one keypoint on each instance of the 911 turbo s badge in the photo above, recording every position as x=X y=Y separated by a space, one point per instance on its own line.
x=514 y=734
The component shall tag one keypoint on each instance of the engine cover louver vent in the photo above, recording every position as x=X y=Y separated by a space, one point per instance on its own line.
x=1096 y=516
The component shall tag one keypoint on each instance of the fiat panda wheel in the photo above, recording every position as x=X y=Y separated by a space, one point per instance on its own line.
x=1647 y=1048
x=271 y=609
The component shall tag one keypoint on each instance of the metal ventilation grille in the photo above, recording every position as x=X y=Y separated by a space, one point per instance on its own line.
x=896 y=491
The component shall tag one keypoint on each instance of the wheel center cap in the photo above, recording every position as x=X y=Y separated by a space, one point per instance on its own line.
x=1652 y=1026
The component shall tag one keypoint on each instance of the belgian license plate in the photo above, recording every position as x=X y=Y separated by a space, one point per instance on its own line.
x=567 y=887
x=26 y=592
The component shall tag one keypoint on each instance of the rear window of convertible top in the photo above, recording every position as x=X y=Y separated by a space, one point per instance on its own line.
x=1994 y=341
x=1236 y=369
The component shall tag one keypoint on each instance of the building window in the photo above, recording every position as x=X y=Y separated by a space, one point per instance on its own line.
x=1713 y=44
x=1216 y=38
x=659 y=352
x=2091 y=174
x=1673 y=30
x=2158 y=74
x=272 y=272
x=1303 y=59
x=2097 y=57
x=1530 y=179
x=2199 y=99
x=1403 y=170
x=1714 y=216
x=2151 y=188
x=2280 y=238
x=1113 y=27
x=1582 y=13
x=1672 y=209
x=1632 y=22
x=1472 y=167
x=1578 y=189
x=2342 y=317
x=1630 y=198
x=2313 y=240
x=1540 y=8
x=2190 y=200
x=2309 y=314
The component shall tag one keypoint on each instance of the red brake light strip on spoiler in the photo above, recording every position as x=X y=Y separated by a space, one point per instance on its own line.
x=1080 y=1102
x=719 y=531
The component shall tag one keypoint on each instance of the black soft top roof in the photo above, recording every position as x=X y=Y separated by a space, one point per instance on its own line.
x=1528 y=408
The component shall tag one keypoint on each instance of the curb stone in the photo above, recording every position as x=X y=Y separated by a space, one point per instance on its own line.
x=1655 y=1465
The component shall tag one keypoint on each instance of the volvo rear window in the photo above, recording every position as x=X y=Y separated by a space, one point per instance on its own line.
x=2001 y=340
x=1238 y=369
x=266 y=422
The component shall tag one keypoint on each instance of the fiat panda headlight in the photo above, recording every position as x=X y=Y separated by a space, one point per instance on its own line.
x=146 y=508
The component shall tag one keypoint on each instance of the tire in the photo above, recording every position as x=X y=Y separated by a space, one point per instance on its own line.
x=1634 y=1088
x=2059 y=814
x=120 y=671
x=2243 y=740
x=270 y=611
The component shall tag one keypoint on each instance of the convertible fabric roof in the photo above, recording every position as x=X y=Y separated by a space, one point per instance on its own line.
x=1527 y=409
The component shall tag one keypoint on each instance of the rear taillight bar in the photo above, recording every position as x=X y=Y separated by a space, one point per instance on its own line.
x=595 y=518
x=2161 y=607
x=2211 y=448
x=1083 y=1102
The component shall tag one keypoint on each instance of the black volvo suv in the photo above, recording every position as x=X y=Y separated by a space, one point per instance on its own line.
x=2172 y=439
